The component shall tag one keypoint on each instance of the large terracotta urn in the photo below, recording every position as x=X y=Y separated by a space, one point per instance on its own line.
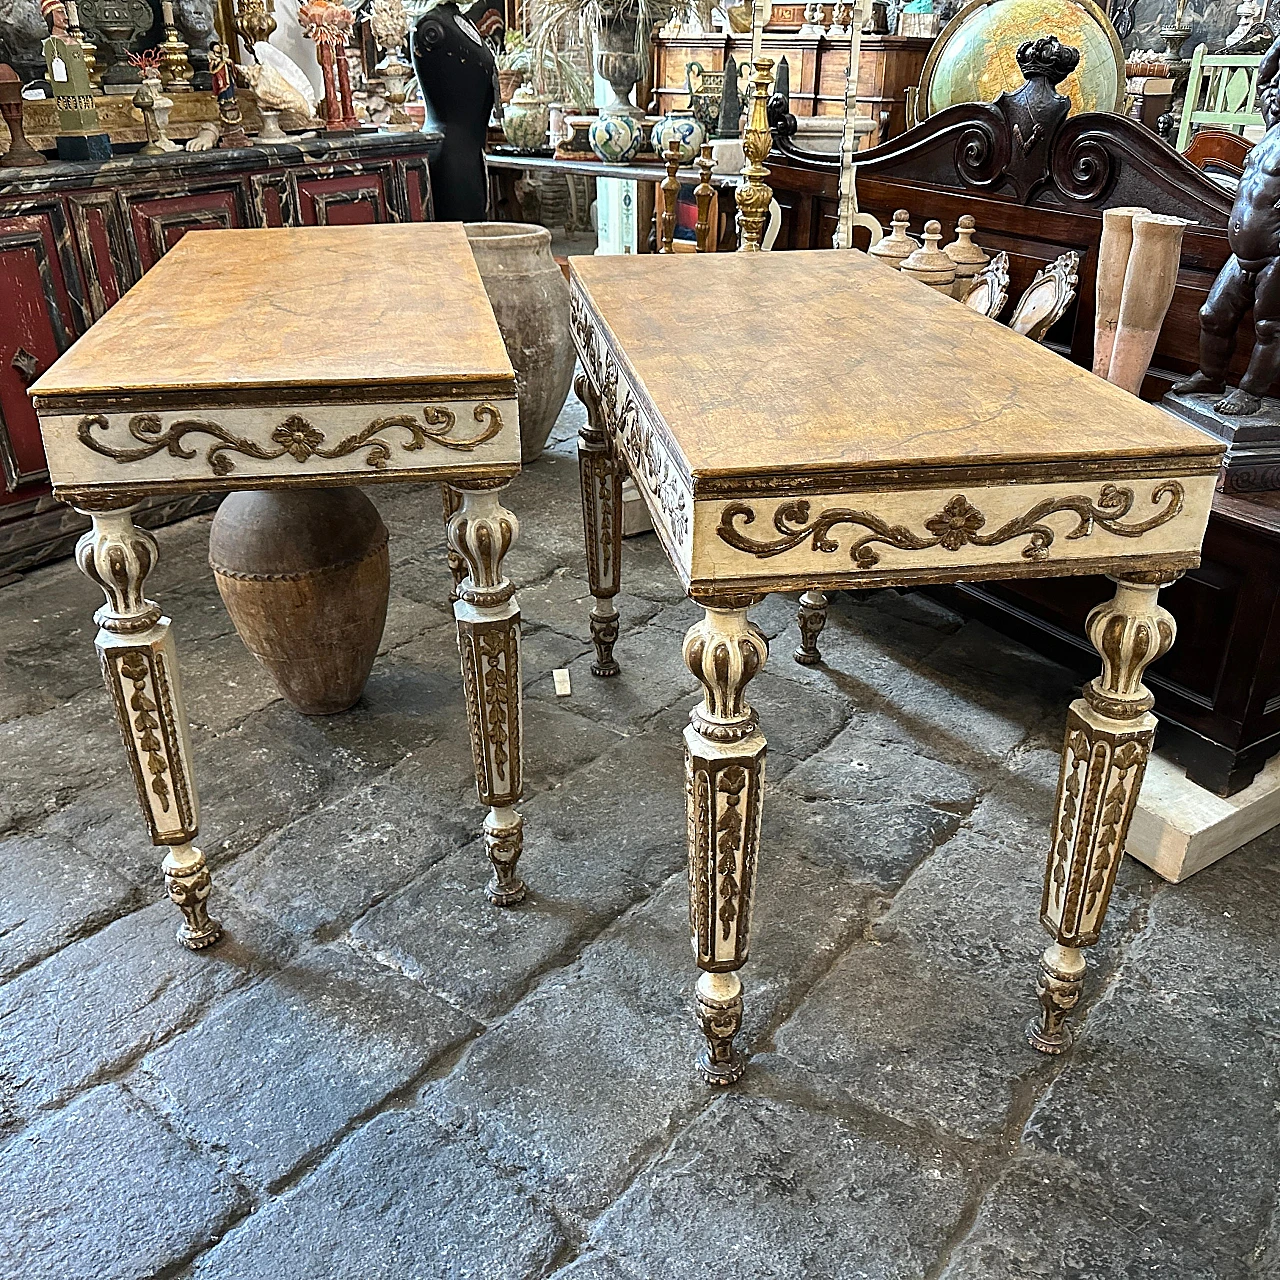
x=530 y=300
x=305 y=576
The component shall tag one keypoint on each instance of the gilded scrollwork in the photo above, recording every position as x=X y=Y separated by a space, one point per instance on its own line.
x=295 y=437
x=958 y=524
x=650 y=462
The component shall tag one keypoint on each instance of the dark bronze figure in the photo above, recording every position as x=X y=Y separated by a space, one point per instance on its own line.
x=1251 y=277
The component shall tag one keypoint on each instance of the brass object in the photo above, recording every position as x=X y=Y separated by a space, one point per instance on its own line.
x=175 y=68
x=754 y=196
x=89 y=49
x=255 y=20
x=705 y=194
x=145 y=101
x=670 y=194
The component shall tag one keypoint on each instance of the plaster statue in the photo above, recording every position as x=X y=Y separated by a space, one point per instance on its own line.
x=1251 y=277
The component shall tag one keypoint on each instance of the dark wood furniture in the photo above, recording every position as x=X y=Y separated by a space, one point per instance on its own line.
x=1215 y=151
x=1218 y=692
x=75 y=237
x=887 y=67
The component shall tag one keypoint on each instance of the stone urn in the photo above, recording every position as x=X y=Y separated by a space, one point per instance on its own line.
x=305 y=577
x=530 y=300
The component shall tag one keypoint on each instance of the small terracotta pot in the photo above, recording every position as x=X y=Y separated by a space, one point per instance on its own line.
x=305 y=577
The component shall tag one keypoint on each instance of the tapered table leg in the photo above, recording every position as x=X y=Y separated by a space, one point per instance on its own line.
x=724 y=776
x=452 y=500
x=811 y=617
x=481 y=532
x=1108 y=740
x=602 y=478
x=140 y=668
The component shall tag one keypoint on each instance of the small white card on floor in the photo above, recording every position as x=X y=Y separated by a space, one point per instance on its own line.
x=561 y=677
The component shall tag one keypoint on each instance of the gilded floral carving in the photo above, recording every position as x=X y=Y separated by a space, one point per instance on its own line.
x=295 y=437
x=957 y=525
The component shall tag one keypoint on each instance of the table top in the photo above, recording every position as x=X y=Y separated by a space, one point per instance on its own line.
x=831 y=365
x=367 y=313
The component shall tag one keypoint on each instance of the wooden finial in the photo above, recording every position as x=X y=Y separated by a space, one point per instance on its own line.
x=670 y=194
x=754 y=196
x=705 y=194
x=929 y=264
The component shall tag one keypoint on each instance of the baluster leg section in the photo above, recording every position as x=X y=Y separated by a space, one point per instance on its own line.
x=724 y=777
x=1104 y=757
x=602 y=478
x=140 y=668
x=451 y=499
x=811 y=618
x=481 y=532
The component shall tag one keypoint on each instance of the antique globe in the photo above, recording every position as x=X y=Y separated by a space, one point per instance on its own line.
x=974 y=57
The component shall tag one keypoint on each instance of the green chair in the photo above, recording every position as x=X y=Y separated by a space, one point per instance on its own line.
x=1222 y=91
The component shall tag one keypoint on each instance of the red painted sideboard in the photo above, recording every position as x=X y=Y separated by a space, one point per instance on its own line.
x=74 y=237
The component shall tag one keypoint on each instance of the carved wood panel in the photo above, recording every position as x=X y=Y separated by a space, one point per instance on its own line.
x=103 y=240
x=342 y=199
x=160 y=220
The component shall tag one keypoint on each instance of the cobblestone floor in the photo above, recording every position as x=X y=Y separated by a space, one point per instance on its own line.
x=379 y=1076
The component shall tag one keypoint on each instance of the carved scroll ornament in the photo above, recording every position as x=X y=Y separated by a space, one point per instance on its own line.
x=957 y=525
x=295 y=436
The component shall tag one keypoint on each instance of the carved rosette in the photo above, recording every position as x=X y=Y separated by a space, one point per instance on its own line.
x=1108 y=742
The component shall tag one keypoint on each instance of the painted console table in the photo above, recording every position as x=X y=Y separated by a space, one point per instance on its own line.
x=884 y=437
x=259 y=359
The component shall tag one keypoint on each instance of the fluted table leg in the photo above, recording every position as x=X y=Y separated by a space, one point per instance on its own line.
x=140 y=668
x=481 y=532
x=602 y=478
x=1108 y=741
x=724 y=775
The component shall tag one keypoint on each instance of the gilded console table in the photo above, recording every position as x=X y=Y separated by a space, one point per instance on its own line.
x=264 y=358
x=888 y=437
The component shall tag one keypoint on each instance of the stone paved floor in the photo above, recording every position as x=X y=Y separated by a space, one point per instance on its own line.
x=378 y=1076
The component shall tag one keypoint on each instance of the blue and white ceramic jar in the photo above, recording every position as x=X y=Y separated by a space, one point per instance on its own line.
x=616 y=139
x=678 y=126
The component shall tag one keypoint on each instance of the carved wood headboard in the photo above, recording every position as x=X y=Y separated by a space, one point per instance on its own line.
x=1036 y=181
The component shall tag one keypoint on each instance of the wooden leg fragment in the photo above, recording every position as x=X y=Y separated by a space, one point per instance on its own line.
x=140 y=669
x=452 y=500
x=811 y=617
x=481 y=532
x=602 y=522
x=1108 y=741
x=724 y=777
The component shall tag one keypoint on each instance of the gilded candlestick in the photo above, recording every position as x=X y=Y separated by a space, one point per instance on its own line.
x=754 y=196
x=705 y=194
x=175 y=69
x=670 y=194
x=77 y=33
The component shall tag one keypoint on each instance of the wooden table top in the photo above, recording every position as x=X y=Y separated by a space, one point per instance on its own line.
x=830 y=364
x=366 y=312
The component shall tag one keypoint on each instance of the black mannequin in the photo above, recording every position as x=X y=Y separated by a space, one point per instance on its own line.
x=458 y=75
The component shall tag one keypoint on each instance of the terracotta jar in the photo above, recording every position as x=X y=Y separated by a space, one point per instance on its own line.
x=530 y=300
x=305 y=577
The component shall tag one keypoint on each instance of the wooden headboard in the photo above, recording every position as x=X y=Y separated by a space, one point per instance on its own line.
x=1036 y=182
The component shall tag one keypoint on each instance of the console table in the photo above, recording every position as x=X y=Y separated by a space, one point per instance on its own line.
x=75 y=237
x=263 y=359
x=887 y=437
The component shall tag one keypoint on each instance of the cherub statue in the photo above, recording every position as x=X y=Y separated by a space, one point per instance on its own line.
x=1251 y=277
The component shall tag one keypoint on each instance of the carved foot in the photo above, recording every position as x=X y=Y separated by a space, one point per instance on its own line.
x=1199 y=382
x=719 y=997
x=1058 y=988
x=187 y=879
x=1239 y=403
x=504 y=842
x=604 y=635
x=811 y=617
